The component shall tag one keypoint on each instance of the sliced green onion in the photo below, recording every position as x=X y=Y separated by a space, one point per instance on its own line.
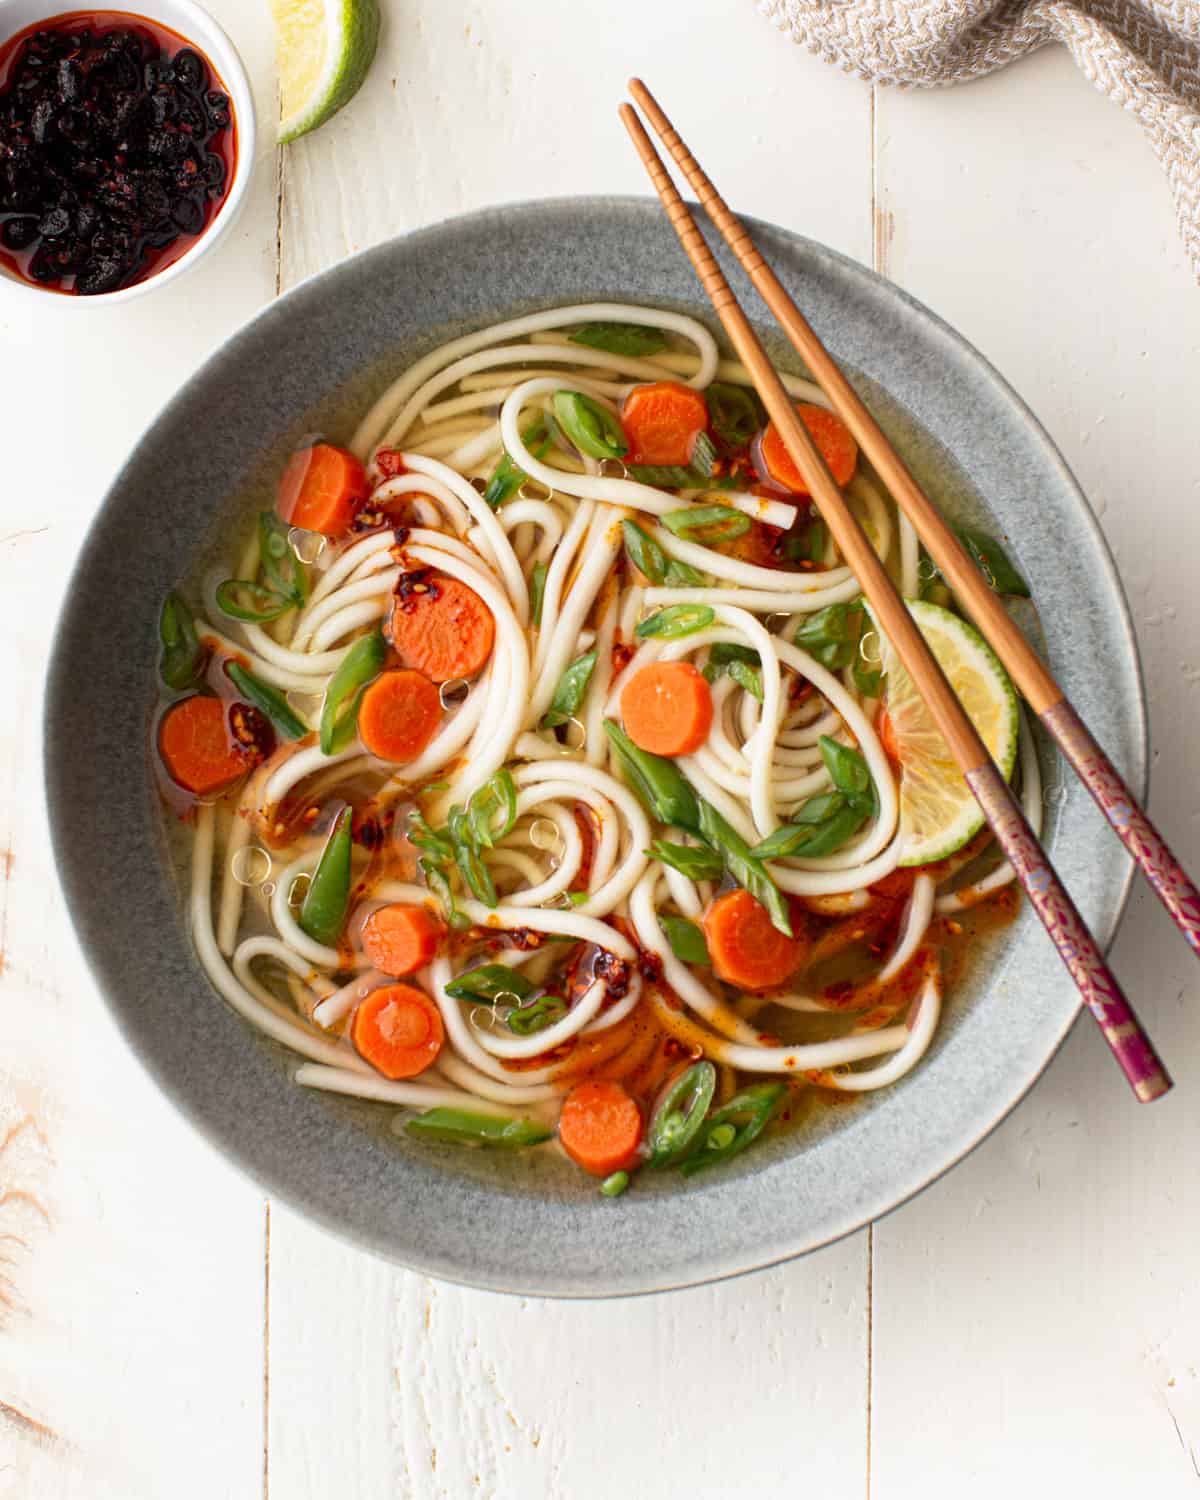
x=687 y=940
x=679 y=1114
x=677 y=477
x=424 y=837
x=831 y=635
x=696 y=864
x=327 y=899
x=339 y=716
x=569 y=694
x=285 y=572
x=736 y=414
x=499 y=795
x=675 y=620
x=644 y=552
x=537 y=591
x=466 y=856
x=461 y=1127
x=489 y=983
x=620 y=338
x=591 y=427
x=613 y=1186
x=270 y=700
x=680 y=576
x=707 y=524
x=434 y=871
x=181 y=663
x=527 y=1020
x=704 y=455
x=735 y=1126
x=264 y=604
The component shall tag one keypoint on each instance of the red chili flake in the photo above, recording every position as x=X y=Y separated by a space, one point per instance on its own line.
x=622 y=654
x=252 y=730
x=650 y=965
x=415 y=584
x=390 y=463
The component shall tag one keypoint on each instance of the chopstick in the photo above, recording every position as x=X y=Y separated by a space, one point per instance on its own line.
x=1076 y=946
x=1167 y=877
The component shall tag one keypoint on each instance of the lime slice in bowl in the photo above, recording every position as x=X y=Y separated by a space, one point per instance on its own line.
x=324 y=48
x=938 y=813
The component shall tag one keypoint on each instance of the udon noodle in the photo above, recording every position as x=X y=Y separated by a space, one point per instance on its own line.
x=536 y=761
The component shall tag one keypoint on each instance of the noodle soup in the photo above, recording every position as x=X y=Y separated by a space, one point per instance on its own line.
x=545 y=776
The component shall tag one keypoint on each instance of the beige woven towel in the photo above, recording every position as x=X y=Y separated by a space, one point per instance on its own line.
x=1144 y=54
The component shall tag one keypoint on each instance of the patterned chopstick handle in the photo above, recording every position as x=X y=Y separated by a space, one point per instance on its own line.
x=1166 y=875
x=1076 y=946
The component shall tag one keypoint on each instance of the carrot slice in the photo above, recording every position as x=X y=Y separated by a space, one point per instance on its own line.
x=834 y=443
x=886 y=731
x=746 y=948
x=662 y=422
x=321 y=489
x=600 y=1127
x=398 y=1030
x=443 y=629
x=400 y=939
x=667 y=708
x=398 y=715
x=197 y=748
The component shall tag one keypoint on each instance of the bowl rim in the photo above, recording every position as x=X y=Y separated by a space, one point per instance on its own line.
x=195 y=24
x=697 y=1269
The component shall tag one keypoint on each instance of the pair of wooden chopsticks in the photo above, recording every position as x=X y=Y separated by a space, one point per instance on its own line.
x=1077 y=947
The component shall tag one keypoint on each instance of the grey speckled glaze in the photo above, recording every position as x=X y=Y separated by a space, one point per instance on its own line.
x=528 y=1227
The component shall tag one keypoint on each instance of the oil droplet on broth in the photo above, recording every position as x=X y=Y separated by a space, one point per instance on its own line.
x=307 y=545
x=454 y=692
x=250 y=865
x=543 y=834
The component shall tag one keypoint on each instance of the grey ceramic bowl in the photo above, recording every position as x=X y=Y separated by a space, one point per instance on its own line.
x=524 y=1226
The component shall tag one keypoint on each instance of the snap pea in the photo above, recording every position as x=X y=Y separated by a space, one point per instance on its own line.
x=270 y=700
x=620 y=338
x=674 y=621
x=735 y=1126
x=686 y=939
x=507 y=478
x=678 y=1117
x=323 y=911
x=662 y=787
x=489 y=983
x=849 y=772
x=591 y=427
x=746 y=869
x=831 y=635
x=707 y=524
x=738 y=662
x=569 y=694
x=339 y=716
x=822 y=826
x=181 y=663
x=526 y=1020
x=735 y=412
x=461 y=1127
x=696 y=864
x=537 y=591
x=670 y=798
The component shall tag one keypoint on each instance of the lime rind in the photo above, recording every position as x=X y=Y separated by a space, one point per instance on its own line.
x=352 y=34
x=938 y=812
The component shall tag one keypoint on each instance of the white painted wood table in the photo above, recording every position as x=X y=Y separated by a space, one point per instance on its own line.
x=1031 y=1324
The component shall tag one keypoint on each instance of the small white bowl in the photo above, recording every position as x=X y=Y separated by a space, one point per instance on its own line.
x=194 y=24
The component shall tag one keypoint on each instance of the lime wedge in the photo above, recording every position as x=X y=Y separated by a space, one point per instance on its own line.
x=324 y=48
x=938 y=814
